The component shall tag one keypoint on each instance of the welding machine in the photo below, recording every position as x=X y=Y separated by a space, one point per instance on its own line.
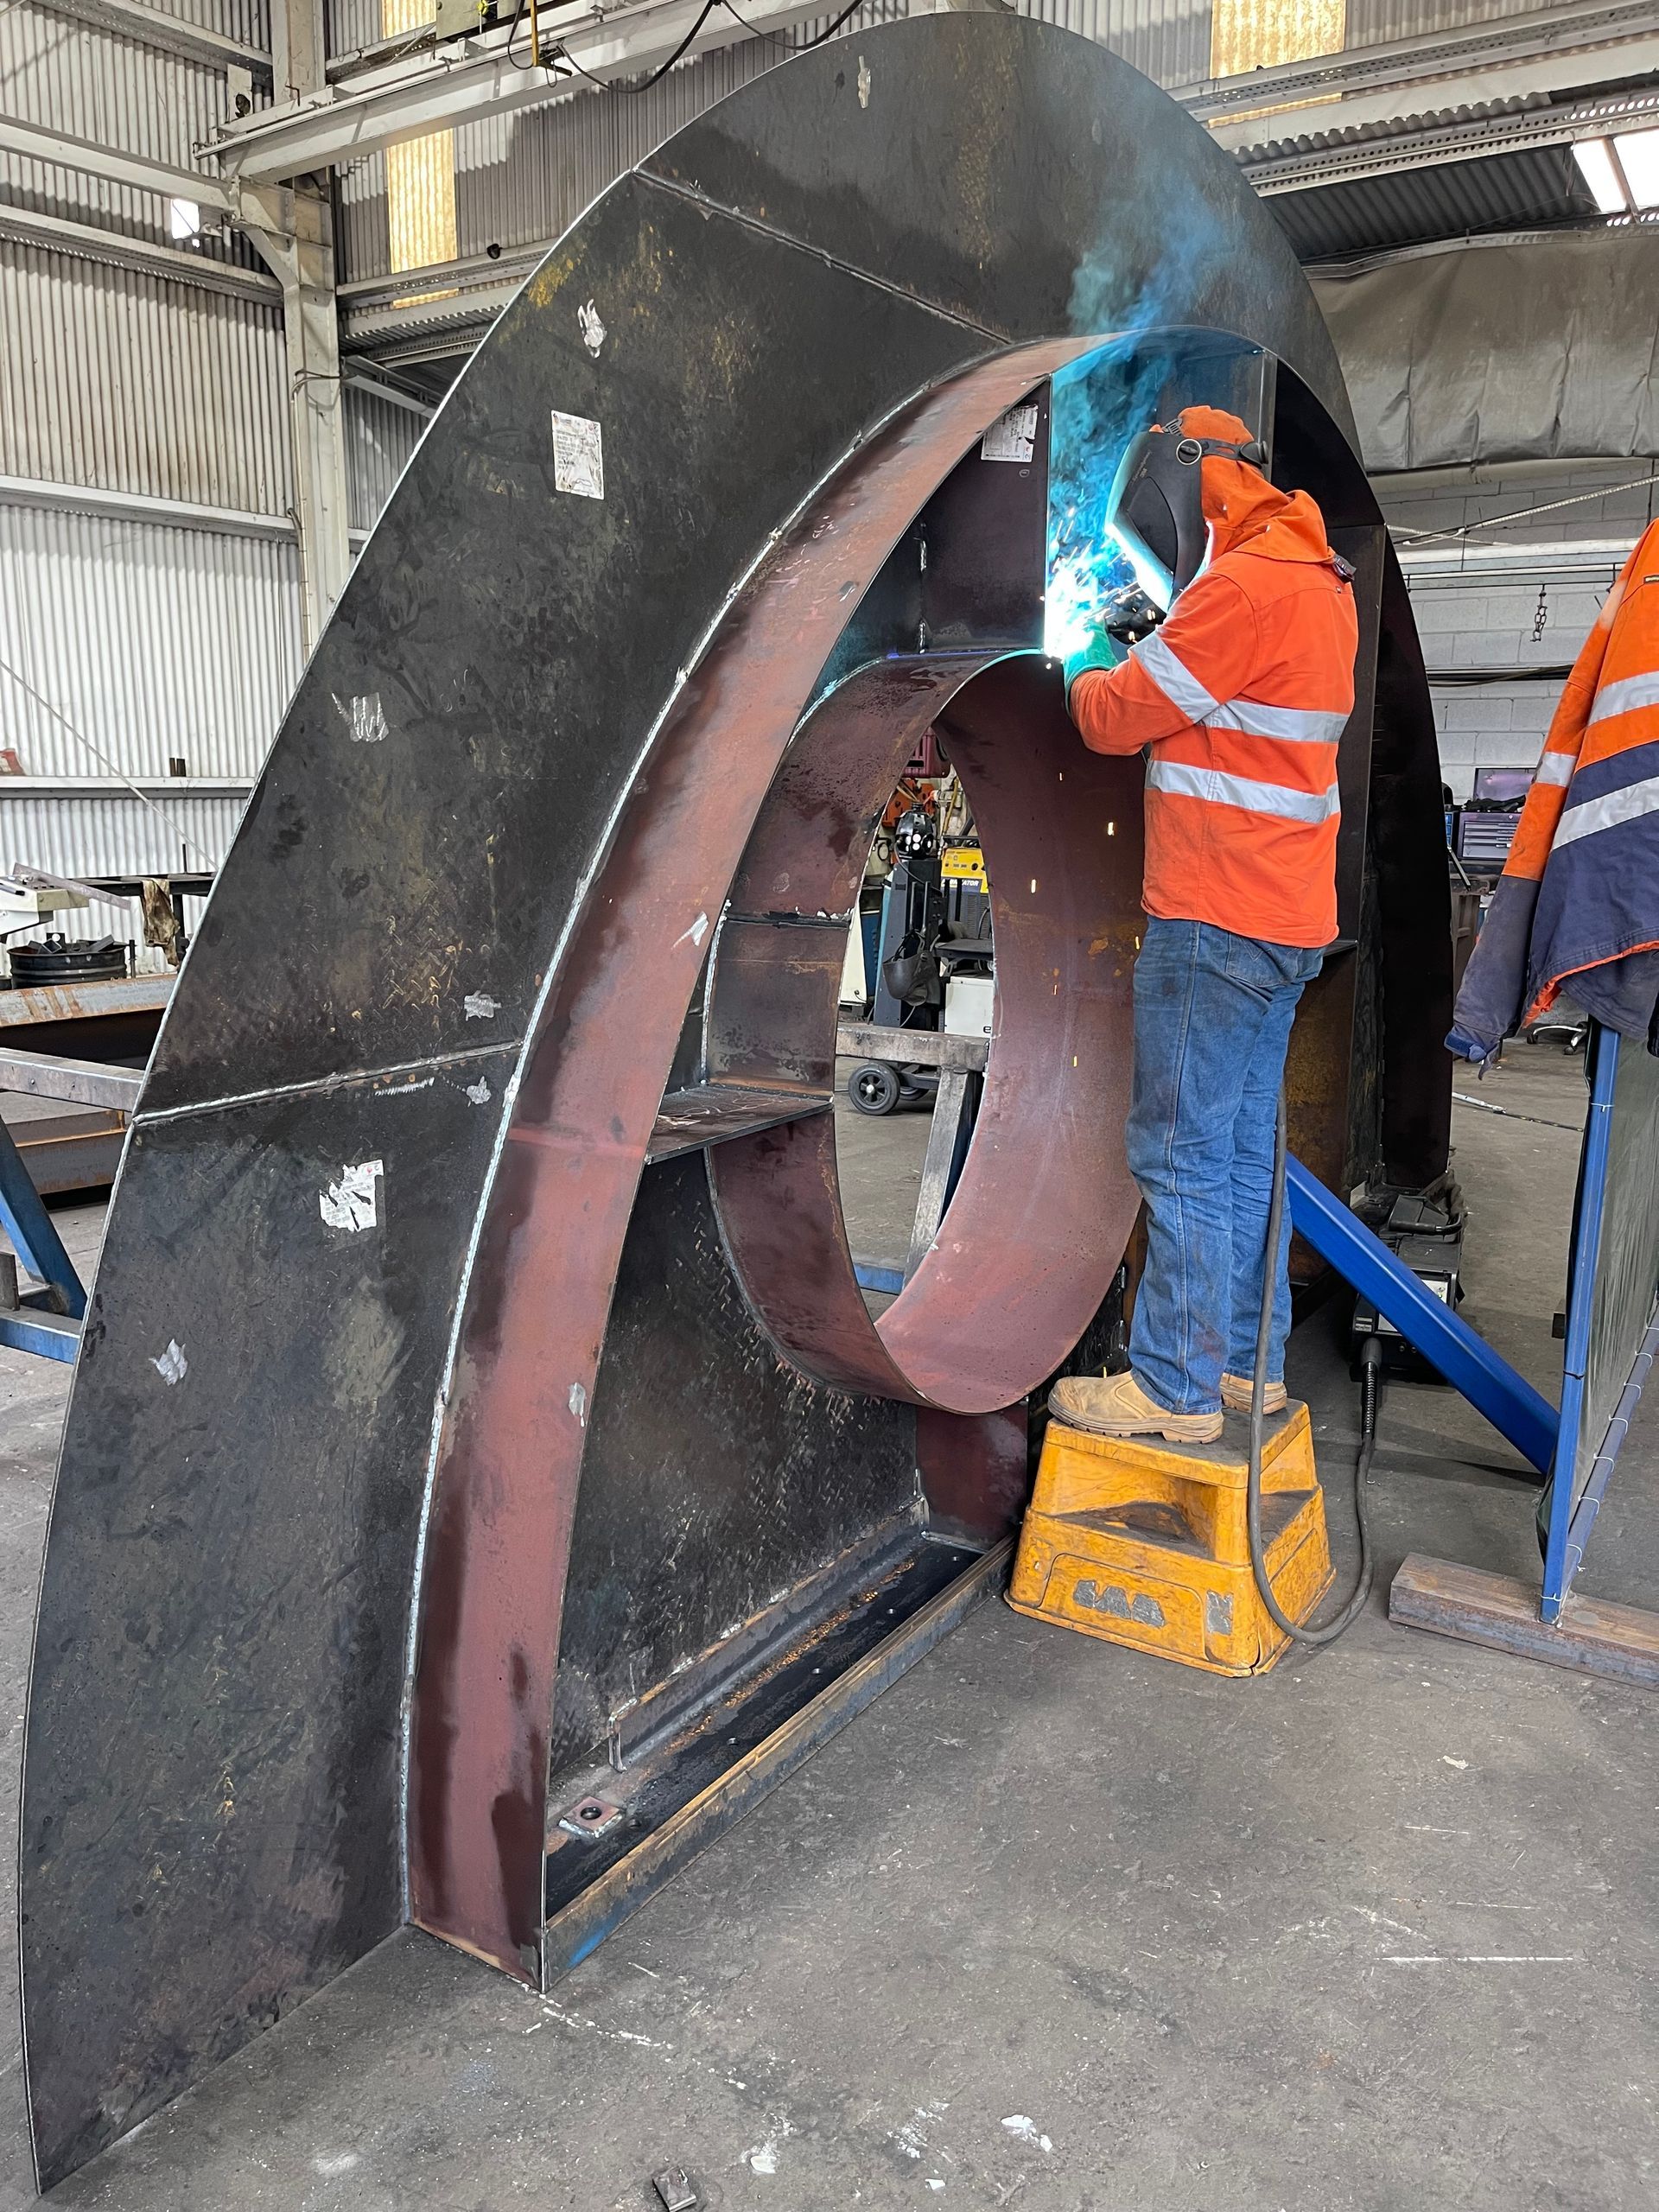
x=1426 y=1235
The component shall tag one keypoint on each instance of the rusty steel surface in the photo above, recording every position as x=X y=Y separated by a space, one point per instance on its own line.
x=54 y=1002
x=1018 y=1268
x=403 y=1376
x=581 y=1128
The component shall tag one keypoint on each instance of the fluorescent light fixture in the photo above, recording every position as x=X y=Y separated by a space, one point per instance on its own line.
x=183 y=219
x=1638 y=156
x=1596 y=166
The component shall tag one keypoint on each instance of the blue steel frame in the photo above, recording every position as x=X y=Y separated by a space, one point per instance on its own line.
x=1467 y=1361
x=47 y=1322
x=1571 y=1518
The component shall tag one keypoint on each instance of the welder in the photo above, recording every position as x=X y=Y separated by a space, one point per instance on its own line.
x=1237 y=696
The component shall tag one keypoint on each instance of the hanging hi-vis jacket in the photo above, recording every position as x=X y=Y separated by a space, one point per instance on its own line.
x=1240 y=699
x=1578 y=902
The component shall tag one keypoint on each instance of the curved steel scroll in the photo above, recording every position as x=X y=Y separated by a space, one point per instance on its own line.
x=339 y=1363
x=1019 y=1266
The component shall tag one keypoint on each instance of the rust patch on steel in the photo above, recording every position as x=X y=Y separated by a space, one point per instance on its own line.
x=511 y=1452
x=1046 y=1204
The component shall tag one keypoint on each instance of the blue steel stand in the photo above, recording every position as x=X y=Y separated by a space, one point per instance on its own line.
x=1467 y=1361
x=47 y=1321
x=1620 y=1641
x=1572 y=1518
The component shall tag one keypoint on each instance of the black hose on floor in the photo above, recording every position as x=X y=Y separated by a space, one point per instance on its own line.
x=1372 y=1361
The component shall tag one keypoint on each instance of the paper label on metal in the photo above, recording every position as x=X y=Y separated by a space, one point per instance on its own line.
x=578 y=456
x=351 y=1202
x=1012 y=436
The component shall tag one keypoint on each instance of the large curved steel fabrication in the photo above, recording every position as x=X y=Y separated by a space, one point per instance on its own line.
x=477 y=1439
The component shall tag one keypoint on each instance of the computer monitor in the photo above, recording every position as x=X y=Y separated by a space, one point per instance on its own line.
x=1502 y=782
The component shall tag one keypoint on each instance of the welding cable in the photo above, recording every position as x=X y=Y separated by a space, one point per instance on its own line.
x=562 y=55
x=564 y=58
x=1370 y=1362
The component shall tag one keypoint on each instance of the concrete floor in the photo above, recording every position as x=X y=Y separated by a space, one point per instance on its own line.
x=1051 y=1924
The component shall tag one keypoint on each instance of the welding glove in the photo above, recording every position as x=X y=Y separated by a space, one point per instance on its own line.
x=1097 y=650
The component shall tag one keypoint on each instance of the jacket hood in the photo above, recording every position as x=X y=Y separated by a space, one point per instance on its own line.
x=1245 y=512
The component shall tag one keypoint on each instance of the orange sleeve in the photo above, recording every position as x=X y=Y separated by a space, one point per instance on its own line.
x=1200 y=658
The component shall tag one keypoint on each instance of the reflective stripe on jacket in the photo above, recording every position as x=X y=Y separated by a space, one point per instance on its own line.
x=1241 y=698
x=1578 y=902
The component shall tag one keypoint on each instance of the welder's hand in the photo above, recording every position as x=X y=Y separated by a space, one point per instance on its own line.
x=1129 y=615
x=1097 y=650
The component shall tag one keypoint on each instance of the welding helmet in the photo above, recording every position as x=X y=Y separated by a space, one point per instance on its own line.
x=1155 y=507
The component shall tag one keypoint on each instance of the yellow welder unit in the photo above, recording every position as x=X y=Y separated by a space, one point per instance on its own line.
x=1144 y=1543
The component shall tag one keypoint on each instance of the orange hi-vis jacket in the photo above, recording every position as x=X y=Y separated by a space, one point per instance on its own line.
x=1578 y=902
x=1240 y=698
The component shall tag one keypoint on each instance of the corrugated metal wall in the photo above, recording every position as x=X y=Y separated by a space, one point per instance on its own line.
x=380 y=438
x=247 y=20
x=1372 y=22
x=71 y=77
x=155 y=639
x=130 y=382
x=1167 y=40
x=157 y=642
x=114 y=833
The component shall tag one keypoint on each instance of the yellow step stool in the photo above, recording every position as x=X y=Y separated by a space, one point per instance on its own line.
x=1144 y=1543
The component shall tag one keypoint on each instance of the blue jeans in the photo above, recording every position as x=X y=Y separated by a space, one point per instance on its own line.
x=1212 y=1017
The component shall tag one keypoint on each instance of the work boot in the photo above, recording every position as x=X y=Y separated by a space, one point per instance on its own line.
x=1115 y=1405
x=1237 y=1390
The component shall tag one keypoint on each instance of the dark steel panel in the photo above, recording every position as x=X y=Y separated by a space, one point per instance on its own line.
x=490 y=821
x=1402 y=1123
x=715 y=1479
x=211 y=1805
x=1414 y=902
x=515 y=1429
x=521 y=642
x=976 y=1471
x=1039 y=185
x=591 y=1914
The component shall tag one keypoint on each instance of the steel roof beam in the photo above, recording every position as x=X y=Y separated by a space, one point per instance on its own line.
x=464 y=79
x=1485 y=84
x=36 y=144
x=116 y=248
x=1304 y=168
x=171 y=34
x=1469 y=50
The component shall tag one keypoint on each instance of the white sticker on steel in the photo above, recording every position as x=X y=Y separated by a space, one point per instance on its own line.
x=578 y=456
x=478 y=1006
x=172 y=1366
x=352 y=1203
x=479 y=1093
x=1012 y=436
x=365 y=717
x=592 y=332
